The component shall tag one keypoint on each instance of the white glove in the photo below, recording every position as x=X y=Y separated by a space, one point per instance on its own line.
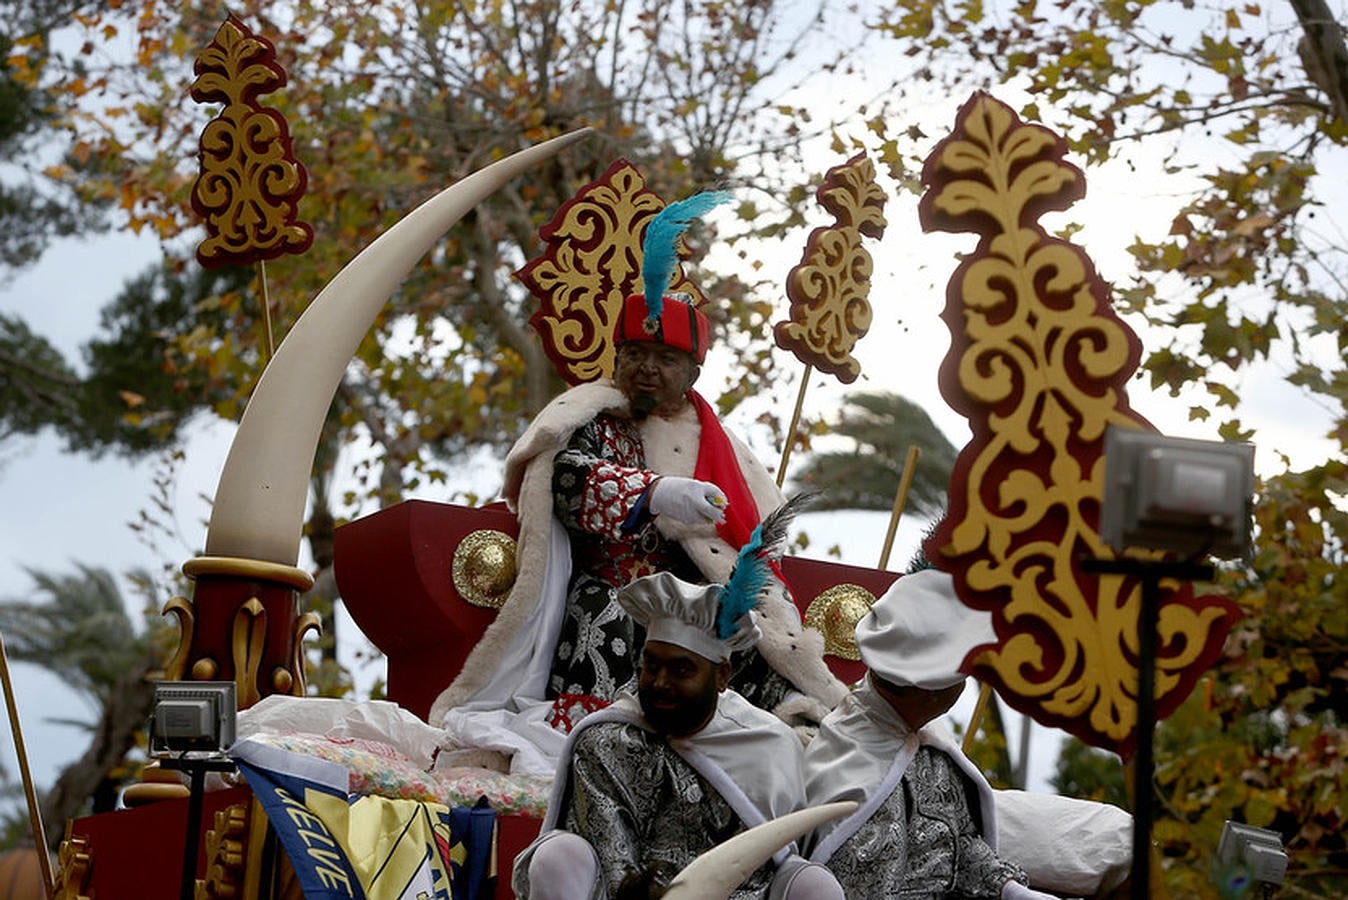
x=1014 y=890
x=688 y=500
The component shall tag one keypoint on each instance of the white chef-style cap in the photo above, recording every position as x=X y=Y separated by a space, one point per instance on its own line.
x=919 y=632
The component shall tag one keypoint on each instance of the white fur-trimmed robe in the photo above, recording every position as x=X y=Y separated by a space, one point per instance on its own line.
x=670 y=446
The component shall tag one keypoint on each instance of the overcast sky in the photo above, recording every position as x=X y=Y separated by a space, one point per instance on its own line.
x=61 y=509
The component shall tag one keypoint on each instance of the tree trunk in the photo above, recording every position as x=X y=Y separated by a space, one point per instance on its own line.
x=127 y=710
x=1323 y=53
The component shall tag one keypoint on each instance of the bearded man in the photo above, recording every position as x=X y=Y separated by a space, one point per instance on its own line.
x=653 y=781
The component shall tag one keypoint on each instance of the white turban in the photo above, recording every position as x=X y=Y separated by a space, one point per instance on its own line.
x=919 y=632
x=684 y=614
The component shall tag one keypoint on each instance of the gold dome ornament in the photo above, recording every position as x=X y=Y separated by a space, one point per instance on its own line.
x=835 y=613
x=484 y=568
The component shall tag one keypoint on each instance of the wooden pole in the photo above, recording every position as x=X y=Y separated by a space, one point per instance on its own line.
x=266 y=307
x=976 y=718
x=900 y=499
x=34 y=814
x=795 y=420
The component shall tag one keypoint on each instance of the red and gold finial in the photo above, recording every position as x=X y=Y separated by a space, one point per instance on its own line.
x=828 y=289
x=250 y=182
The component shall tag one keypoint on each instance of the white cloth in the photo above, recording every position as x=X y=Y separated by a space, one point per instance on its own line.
x=861 y=751
x=374 y=720
x=750 y=757
x=564 y=867
x=1014 y=890
x=1068 y=846
x=686 y=615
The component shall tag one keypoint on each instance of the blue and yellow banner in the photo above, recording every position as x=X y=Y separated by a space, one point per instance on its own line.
x=345 y=847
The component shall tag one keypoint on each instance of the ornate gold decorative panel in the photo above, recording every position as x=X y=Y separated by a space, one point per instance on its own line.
x=243 y=624
x=73 y=862
x=829 y=288
x=1038 y=364
x=593 y=261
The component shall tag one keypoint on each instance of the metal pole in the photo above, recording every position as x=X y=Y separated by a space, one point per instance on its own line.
x=1149 y=573
x=188 y=889
x=196 y=769
x=795 y=422
x=900 y=501
x=1144 y=795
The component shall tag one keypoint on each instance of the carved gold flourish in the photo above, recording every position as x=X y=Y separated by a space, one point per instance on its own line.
x=592 y=261
x=250 y=182
x=182 y=608
x=484 y=567
x=310 y=621
x=835 y=614
x=74 y=860
x=1039 y=363
x=248 y=641
x=829 y=288
x=226 y=852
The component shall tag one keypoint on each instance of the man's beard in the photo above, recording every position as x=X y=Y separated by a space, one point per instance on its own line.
x=643 y=404
x=683 y=720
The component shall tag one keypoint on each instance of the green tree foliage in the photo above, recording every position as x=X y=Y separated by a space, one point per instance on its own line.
x=1263 y=741
x=1254 y=266
x=388 y=102
x=1091 y=774
x=77 y=628
x=881 y=427
x=135 y=391
x=34 y=208
x=35 y=381
x=1248 y=277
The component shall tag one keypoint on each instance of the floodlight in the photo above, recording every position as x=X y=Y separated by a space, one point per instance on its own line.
x=192 y=716
x=1165 y=493
x=1258 y=849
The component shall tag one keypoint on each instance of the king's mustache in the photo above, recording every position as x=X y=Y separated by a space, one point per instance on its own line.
x=643 y=404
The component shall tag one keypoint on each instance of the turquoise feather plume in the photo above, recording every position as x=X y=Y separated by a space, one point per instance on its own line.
x=659 y=249
x=753 y=566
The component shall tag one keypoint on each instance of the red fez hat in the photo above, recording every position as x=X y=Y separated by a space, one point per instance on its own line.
x=679 y=324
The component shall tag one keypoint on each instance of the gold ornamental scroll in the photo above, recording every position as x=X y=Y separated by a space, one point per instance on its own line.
x=829 y=288
x=250 y=183
x=1038 y=364
x=591 y=262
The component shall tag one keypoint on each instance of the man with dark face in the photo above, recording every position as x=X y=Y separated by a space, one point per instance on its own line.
x=616 y=479
x=653 y=781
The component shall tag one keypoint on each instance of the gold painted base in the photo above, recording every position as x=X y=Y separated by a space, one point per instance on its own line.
x=156 y=784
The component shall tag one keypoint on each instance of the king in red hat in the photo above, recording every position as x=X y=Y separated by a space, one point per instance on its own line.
x=678 y=324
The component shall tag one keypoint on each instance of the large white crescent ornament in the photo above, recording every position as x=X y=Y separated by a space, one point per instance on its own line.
x=259 y=502
x=715 y=874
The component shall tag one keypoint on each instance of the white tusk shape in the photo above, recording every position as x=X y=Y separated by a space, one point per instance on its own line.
x=259 y=502
x=716 y=873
